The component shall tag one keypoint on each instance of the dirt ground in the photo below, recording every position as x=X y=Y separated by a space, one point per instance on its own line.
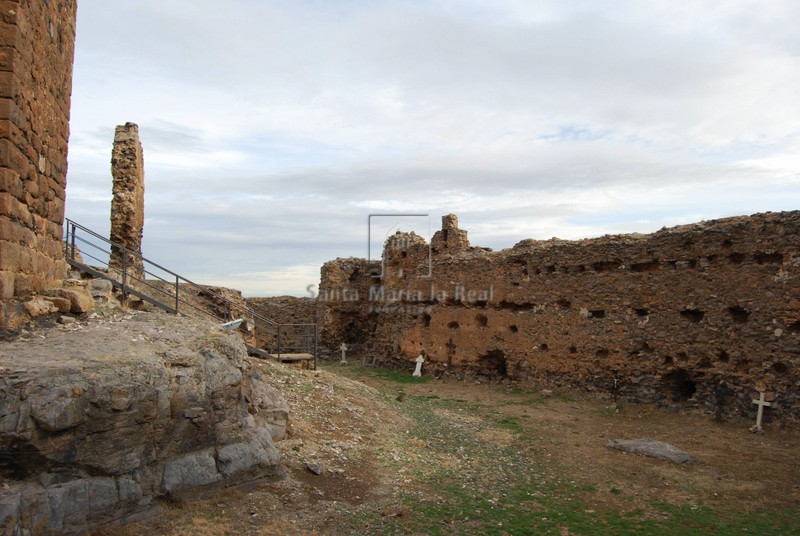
x=454 y=457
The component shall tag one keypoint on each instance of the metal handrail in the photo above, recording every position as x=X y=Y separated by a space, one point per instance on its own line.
x=176 y=281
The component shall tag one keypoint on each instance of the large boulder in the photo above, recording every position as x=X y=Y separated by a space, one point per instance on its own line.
x=97 y=422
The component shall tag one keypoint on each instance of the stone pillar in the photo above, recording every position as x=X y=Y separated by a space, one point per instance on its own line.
x=127 y=205
x=450 y=239
x=36 y=51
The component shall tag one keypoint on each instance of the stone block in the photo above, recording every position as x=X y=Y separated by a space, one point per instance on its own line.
x=103 y=495
x=258 y=454
x=59 y=409
x=39 y=306
x=9 y=511
x=193 y=470
x=63 y=305
x=7 y=285
x=23 y=285
x=7 y=85
x=10 y=181
x=80 y=299
x=129 y=490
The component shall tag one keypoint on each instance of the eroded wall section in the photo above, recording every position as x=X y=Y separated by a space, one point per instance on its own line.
x=692 y=316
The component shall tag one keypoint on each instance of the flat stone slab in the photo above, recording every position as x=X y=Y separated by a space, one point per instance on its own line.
x=652 y=448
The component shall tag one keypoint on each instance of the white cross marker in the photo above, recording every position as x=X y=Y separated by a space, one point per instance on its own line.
x=343 y=348
x=761 y=402
x=418 y=370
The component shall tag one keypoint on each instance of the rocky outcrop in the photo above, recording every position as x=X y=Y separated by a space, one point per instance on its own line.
x=99 y=419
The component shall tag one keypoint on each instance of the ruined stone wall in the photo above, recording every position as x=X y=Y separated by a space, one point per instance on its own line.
x=36 y=54
x=694 y=316
x=283 y=310
x=127 y=203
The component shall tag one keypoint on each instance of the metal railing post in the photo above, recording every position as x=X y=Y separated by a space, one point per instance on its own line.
x=177 y=298
x=124 y=280
x=315 y=346
x=279 y=341
x=71 y=226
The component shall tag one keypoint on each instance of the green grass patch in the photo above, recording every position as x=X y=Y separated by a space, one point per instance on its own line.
x=512 y=423
x=515 y=490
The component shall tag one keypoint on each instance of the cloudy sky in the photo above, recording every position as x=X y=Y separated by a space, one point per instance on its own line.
x=272 y=129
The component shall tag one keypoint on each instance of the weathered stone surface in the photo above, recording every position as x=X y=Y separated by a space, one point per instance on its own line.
x=194 y=470
x=95 y=423
x=57 y=409
x=690 y=317
x=127 y=203
x=284 y=310
x=271 y=408
x=39 y=306
x=37 y=44
x=63 y=305
x=80 y=301
x=258 y=453
x=652 y=448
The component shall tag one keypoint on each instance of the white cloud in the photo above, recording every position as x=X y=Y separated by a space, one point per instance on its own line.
x=271 y=129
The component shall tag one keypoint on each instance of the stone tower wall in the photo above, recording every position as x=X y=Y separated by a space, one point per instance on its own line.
x=127 y=203
x=36 y=54
x=696 y=316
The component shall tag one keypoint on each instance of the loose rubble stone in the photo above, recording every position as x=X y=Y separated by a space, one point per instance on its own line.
x=652 y=448
x=314 y=468
x=39 y=306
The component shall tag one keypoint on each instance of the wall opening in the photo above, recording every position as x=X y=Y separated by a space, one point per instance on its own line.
x=544 y=348
x=768 y=258
x=481 y=320
x=678 y=385
x=794 y=327
x=564 y=304
x=606 y=266
x=738 y=314
x=723 y=356
x=649 y=266
x=453 y=325
x=426 y=320
x=493 y=363
x=516 y=306
x=693 y=315
x=642 y=312
x=513 y=329
x=597 y=313
x=602 y=353
x=779 y=368
x=736 y=258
